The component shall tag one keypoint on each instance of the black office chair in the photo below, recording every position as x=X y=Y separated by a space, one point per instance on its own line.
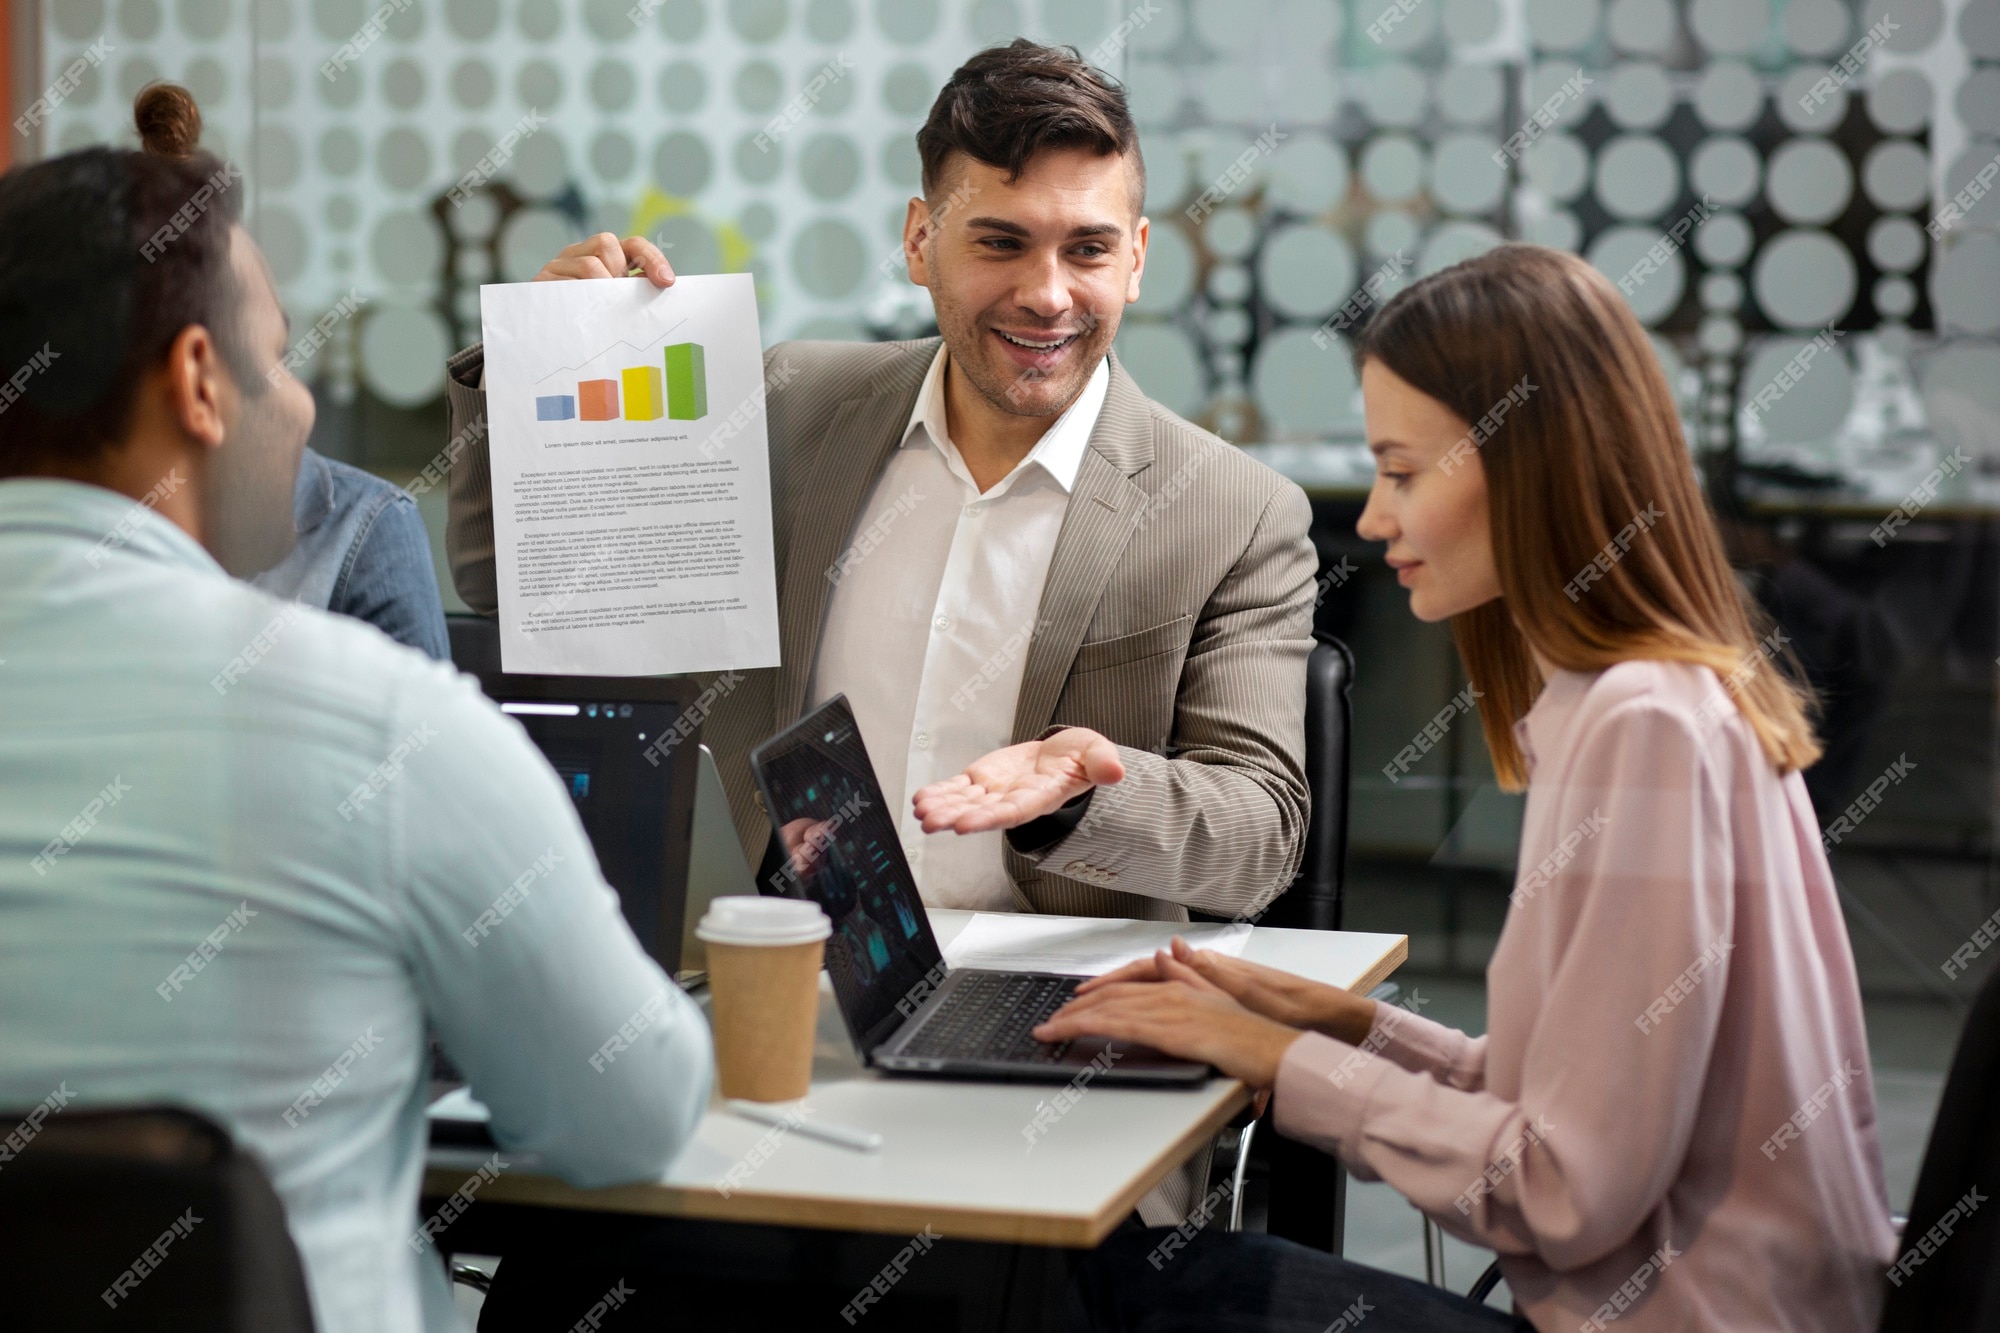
x=94 y=1191
x=1308 y=1188
x=1313 y=899
x=1307 y=1198
x=1958 y=1285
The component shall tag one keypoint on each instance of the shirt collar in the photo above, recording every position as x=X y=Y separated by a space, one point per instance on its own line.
x=312 y=497
x=1060 y=450
x=1539 y=730
x=99 y=518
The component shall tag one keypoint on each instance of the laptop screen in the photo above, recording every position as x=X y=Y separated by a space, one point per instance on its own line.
x=820 y=790
x=633 y=810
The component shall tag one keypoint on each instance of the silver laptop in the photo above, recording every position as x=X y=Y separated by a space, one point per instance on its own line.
x=717 y=867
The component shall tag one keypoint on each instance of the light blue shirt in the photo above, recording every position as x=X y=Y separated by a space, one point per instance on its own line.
x=249 y=851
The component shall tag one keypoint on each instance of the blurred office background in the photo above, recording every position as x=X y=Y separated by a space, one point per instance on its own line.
x=1297 y=150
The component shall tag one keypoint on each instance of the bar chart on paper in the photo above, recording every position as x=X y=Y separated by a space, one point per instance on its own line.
x=676 y=388
x=631 y=476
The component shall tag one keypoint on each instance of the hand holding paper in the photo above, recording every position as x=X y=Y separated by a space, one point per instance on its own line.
x=605 y=256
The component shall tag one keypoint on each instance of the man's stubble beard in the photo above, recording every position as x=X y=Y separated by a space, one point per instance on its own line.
x=1018 y=393
x=248 y=490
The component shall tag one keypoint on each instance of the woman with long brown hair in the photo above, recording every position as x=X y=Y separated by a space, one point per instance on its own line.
x=1670 y=1122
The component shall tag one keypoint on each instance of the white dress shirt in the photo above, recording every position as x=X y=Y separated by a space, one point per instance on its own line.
x=927 y=632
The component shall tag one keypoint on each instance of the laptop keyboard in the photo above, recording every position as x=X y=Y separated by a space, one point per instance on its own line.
x=989 y=1016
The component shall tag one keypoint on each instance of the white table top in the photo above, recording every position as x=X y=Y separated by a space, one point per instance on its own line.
x=955 y=1156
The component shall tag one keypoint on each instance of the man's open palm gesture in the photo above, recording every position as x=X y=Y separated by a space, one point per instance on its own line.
x=1009 y=787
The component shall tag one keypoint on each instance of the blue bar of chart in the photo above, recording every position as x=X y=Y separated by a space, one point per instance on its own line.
x=556 y=407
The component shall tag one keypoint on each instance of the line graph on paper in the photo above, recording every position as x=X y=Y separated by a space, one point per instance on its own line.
x=632 y=352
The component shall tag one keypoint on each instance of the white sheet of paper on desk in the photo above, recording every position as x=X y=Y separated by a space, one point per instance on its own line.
x=631 y=476
x=1023 y=942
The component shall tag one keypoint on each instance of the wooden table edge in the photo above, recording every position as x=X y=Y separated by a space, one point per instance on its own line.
x=1073 y=1230
x=1383 y=967
x=661 y=1199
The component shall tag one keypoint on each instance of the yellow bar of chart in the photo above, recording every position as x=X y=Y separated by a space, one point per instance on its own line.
x=644 y=400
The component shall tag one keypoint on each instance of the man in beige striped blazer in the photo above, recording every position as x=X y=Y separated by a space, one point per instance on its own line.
x=1012 y=561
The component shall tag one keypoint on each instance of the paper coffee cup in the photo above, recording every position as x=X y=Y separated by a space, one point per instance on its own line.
x=764 y=956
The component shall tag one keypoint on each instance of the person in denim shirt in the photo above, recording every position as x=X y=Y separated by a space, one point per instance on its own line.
x=362 y=552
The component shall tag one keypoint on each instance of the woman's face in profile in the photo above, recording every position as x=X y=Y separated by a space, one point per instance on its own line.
x=1429 y=498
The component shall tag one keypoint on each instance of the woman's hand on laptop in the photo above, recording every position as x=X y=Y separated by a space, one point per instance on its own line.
x=1011 y=786
x=1182 y=1015
x=605 y=256
x=1284 y=997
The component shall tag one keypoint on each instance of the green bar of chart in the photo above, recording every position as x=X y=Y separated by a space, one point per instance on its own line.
x=687 y=382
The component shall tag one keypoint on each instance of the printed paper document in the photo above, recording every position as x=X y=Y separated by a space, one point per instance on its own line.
x=631 y=476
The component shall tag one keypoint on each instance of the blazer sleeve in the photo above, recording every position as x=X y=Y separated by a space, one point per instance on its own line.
x=468 y=527
x=1220 y=825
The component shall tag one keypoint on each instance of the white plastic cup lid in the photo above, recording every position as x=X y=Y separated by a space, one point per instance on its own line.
x=748 y=919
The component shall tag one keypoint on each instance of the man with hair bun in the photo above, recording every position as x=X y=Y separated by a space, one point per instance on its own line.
x=242 y=840
x=168 y=120
x=362 y=549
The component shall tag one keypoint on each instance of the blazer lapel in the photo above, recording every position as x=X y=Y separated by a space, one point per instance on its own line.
x=864 y=432
x=1104 y=508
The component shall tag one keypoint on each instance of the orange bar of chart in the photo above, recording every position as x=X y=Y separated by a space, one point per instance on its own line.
x=597 y=399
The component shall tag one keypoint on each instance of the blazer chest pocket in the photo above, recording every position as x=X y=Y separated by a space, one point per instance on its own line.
x=1127 y=648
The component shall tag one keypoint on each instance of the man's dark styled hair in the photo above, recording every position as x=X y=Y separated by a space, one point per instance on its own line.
x=1008 y=103
x=105 y=256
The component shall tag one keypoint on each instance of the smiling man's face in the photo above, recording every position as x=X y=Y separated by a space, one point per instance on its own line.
x=1030 y=277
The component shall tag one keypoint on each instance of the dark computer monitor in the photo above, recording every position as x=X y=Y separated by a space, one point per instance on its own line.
x=610 y=741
